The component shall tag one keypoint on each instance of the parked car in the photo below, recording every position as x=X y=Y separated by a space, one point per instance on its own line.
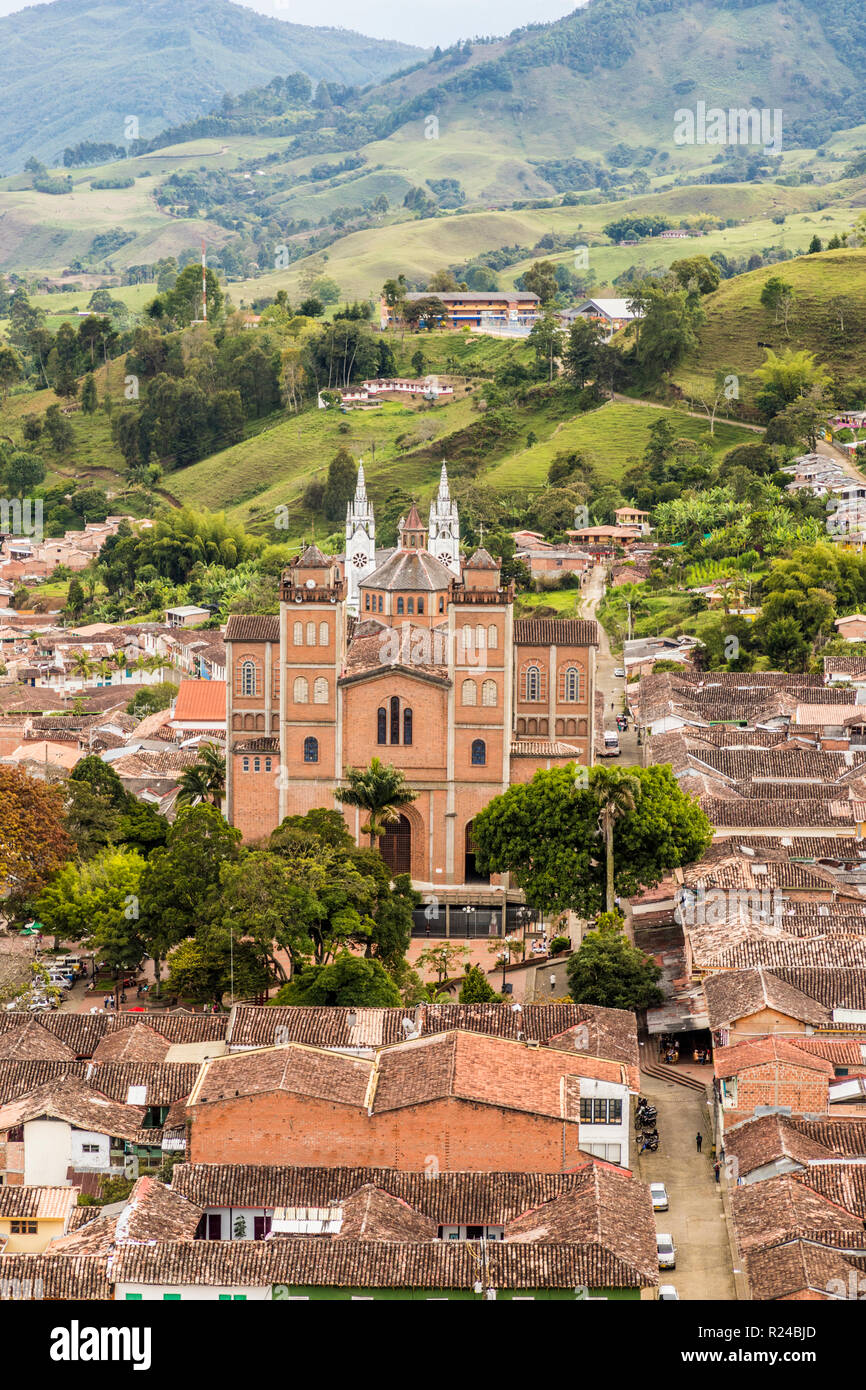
x=667 y=1250
x=59 y=981
x=668 y=1294
x=619 y=673
x=659 y=1195
x=610 y=747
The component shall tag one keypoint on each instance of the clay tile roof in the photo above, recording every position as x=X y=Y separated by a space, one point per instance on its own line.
x=136 y=1044
x=201 y=700
x=410 y=570
x=730 y=1061
x=31 y=1042
x=417 y=648
x=543 y=748
x=735 y=994
x=413 y=521
x=560 y=632
x=377 y=1264
x=797 y=1269
x=265 y=628
x=312 y=559
x=43 y=1203
x=153 y=1212
x=68 y=1098
x=371 y=1214
x=842 y=1183
x=481 y=560
x=768 y=1139
x=301 y=1070
x=58 y=1277
x=779 y=1208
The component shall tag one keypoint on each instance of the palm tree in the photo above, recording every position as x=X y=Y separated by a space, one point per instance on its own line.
x=193 y=785
x=379 y=790
x=205 y=779
x=616 y=792
x=82 y=665
x=211 y=760
x=105 y=670
x=120 y=661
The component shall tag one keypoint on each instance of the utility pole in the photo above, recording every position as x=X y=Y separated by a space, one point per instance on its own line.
x=203 y=283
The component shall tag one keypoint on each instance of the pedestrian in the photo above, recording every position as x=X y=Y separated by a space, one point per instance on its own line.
x=699 y=1139
x=717 y=1169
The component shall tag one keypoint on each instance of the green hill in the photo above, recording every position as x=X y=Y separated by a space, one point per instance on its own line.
x=828 y=318
x=77 y=70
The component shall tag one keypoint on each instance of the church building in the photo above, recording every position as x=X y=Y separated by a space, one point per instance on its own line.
x=412 y=655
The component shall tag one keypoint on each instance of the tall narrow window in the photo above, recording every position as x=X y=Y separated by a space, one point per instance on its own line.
x=441 y=603
x=298 y=634
x=488 y=693
x=367 y=602
x=469 y=693
x=572 y=684
x=407 y=727
x=480 y=635
x=311 y=750
x=492 y=636
x=323 y=634
x=380 y=603
x=533 y=683
x=420 y=603
x=311 y=634
x=479 y=752
x=301 y=690
x=395 y=719
x=410 y=605
x=320 y=691
x=381 y=725
x=248 y=678
x=400 y=605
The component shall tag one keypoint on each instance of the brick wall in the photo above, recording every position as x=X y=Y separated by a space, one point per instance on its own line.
x=455 y=1134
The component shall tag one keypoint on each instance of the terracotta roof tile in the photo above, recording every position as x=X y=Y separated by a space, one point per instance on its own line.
x=560 y=632
x=201 y=701
x=265 y=628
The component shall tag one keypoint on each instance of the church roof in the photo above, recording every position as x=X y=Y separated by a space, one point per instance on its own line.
x=312 y=559
x=410 y=570
x=375 y=646
x=413 y=521
x=481 y=560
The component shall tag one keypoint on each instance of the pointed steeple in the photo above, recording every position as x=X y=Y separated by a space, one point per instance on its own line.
x=413 y=532
x=360 y=539
x=444 y=527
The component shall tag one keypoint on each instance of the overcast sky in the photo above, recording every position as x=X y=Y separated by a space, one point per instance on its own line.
x=424 y=22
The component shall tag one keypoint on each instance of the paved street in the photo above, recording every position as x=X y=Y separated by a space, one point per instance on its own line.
x=611 y=687
x=695 y=1217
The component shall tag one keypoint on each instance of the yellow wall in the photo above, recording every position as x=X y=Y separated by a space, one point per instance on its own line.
x=30 y=1245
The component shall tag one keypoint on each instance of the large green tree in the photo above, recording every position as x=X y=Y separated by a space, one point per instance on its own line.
x=546 y=834
x=608 y=971
x=348 y=980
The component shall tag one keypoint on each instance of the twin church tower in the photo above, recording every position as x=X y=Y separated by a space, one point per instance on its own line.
x=362 y=557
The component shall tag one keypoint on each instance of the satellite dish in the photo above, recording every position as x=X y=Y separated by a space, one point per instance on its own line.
x=311 y=584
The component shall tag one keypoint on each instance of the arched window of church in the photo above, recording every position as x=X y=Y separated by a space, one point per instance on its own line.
x=311 y=634
x=301 y=690
x=323 y=634
x=470 y=693
x=248 y=678
x=492 y=636
x=488 y=693
x=320 y=691
x=465 y=640
x=532 y=683
x=571 y=691
x=395 y=719
x=479 y=752
x=311 y=750
x=407 y=727
x=410 y=605
x=441 y=603
x=420 y=603
x=480 y=636
x=381 y=725
x=299 y=634
x=400 y=605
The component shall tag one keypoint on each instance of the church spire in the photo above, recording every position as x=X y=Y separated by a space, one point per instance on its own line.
x=444 y=527
x=360 y=540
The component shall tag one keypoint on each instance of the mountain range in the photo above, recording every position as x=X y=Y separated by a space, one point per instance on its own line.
x=77 y=70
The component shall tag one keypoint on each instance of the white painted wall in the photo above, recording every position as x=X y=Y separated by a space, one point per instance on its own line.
x=47 y=1152
x=599 y=1138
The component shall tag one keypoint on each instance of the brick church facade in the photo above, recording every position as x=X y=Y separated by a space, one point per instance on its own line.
x=414 y=657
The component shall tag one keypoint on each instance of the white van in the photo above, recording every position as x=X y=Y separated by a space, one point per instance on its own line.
x=611 y=747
